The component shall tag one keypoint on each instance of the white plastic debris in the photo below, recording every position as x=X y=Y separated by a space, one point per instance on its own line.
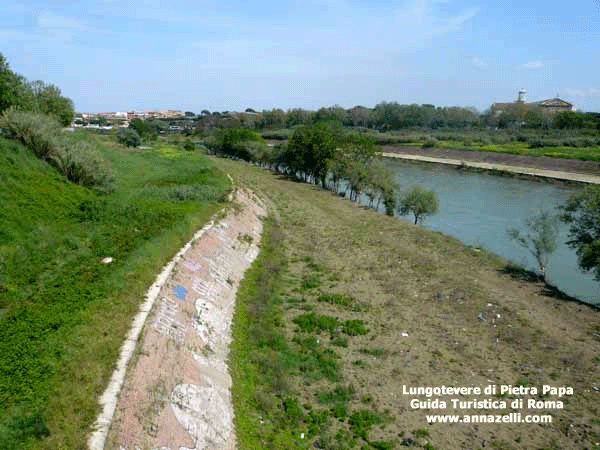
x=301 y=435
x=107 y=260
x=404 y=334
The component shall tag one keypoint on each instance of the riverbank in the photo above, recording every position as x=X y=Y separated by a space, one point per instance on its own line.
x=359 y=305
x=560 y=169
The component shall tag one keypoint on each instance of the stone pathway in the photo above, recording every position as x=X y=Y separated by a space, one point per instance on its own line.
x=582 y=178
x=176 y=395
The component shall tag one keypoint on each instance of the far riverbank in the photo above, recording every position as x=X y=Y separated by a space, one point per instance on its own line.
x=563 y=169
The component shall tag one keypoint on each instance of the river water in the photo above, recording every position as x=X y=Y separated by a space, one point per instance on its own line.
x=477 y=208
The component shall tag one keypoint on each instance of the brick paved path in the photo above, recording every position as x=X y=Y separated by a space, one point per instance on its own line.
x=176 y=395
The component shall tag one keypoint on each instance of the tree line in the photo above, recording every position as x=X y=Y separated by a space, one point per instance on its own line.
x=347 y=164
x=33 y=96
x=323 y=154
x=387 y=116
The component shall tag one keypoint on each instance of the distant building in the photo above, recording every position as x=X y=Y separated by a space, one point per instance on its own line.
x=548 y=107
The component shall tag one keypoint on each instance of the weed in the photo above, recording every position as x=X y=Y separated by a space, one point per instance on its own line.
x=376 y=352
x=362 y=364
x=311 y=322
x=311 y=282
x=354 y=327
x=340 y=341
x=311 y=264
x=383 y=445
x=362 y=421
x=342 y=300
x=421 y=433
x=245 y=238
x=293 y=411
x=339 y=394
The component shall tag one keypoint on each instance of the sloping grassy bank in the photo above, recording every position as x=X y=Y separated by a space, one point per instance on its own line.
x=64 y=313
x=345 y=306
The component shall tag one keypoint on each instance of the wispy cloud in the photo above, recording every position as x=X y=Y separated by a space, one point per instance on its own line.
x=533 y=65
x=479 y=63
x=590 y=92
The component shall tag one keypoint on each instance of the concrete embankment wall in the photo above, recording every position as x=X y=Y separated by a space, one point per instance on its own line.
x=565 y=176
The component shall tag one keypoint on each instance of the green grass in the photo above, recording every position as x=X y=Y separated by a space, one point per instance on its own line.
x=64 y=314
x=574 y=144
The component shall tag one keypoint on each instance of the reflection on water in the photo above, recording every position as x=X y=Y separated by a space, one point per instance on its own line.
x=478 y=208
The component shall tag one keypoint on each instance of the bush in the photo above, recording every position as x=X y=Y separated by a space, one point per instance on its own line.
x=188 y=145
x=354 y=328
x=430 y=142
x=38 y=132
x=79 y=162
x=129 y=137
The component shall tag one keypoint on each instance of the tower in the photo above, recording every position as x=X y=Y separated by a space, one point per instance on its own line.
x=522 y=94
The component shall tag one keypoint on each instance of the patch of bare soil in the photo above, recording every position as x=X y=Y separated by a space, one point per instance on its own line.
x=177 y=391
x=438 y=313
x=538 y=162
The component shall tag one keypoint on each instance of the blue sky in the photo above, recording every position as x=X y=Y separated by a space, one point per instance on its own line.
x=117 y=55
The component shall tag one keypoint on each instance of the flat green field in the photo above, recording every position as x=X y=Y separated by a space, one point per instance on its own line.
x=344 y=307
x=63 y=313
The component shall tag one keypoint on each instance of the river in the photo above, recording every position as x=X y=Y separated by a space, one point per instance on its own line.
x=477 y=208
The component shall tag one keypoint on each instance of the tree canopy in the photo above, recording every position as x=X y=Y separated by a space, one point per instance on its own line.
x=36 y=96
x=419 y=202
x=539 y=237
x=582 y=212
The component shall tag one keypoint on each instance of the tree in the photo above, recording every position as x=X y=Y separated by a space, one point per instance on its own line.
x=144 y=129
x=14 y=90
x=539 y=238
x=48 y=99
x=419 y=202
x=582 y=211
x=310 y=150
x=36 y=96
x=128 y=137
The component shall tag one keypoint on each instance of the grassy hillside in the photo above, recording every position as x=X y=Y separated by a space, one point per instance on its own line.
x=345 y=306
x=64 y=313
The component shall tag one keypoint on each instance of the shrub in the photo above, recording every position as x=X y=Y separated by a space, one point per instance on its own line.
x=188 y=145
x=430 y=142
x=362 y=421
x=128 y=137
x=77 y=161
x=81 y=163
x=354 y=328
x=38 y=132
x=310 y=322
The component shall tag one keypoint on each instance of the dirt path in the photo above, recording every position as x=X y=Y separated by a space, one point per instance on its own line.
x=177 y=391
x=565 y=169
